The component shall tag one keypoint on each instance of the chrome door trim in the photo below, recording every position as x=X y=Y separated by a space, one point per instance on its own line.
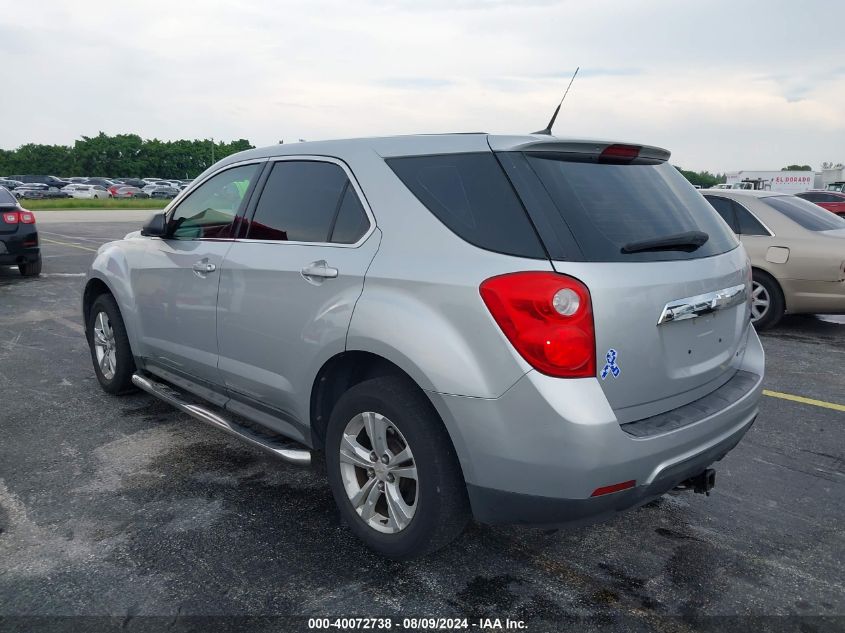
x=692 y=307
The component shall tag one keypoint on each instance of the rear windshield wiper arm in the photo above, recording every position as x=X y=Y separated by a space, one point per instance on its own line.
x=688 y=242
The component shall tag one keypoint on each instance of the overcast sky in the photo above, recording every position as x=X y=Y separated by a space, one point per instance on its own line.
x=723 y=85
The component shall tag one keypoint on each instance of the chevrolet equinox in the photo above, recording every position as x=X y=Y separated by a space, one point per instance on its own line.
x=520 y=329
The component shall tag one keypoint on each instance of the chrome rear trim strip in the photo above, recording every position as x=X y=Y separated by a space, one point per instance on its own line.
x=692 y=307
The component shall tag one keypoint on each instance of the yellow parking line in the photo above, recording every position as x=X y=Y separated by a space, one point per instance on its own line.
x=802 y=400
x=84 y=248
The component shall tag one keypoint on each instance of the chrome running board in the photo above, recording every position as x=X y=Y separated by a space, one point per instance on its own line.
x=280 y=446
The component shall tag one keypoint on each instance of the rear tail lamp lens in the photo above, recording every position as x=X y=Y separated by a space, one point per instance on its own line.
x=10 y=217
x=27 y=217
x=548 y=318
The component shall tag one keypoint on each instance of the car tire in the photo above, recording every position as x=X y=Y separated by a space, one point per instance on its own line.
x=767 y=303
x=31 y=269
x=105 y=324
x=413 y=515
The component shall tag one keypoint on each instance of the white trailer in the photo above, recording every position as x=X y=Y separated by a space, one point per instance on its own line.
x=783 y=181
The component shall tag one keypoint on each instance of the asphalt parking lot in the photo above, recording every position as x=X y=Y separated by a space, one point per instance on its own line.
x=125 y=507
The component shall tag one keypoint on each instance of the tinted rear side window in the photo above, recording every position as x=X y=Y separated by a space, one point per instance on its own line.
x=748 y=224
x=299 y=202
x=352 y=222
x=725 y=208
x=471 y=195
x=806 y=214
x=606 y=206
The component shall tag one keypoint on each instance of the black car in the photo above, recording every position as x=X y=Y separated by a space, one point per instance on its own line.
x=18 y=236
x=50 y=181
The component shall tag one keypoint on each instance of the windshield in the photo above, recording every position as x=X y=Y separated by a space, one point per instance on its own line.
x=609 y=206
x=806 y=214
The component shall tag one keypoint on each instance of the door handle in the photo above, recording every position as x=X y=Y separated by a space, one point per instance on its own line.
x=203 y=267
x=317 y=272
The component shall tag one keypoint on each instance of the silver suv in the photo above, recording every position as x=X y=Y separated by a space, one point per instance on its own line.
x=523 y=329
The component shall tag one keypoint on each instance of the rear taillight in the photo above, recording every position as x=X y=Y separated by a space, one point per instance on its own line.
x=548 y=318
x=23 y=217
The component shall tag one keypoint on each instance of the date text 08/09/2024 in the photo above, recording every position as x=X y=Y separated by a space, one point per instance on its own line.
x=416 y=624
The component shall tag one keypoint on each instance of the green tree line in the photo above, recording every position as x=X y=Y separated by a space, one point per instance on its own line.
x=122 y=155
x=703 y=179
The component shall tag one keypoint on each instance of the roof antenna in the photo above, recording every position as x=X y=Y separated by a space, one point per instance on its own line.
x=548 y=129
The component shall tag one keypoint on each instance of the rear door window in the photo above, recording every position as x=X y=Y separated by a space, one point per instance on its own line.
x=608 y=206
x=471 y=195
x=806 y=214
x=308 y=201
x=724 y=208
x=748 y=224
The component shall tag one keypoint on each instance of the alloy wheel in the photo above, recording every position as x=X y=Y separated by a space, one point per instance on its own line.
x=105 y=346
x=378 y=472
x=760 y=301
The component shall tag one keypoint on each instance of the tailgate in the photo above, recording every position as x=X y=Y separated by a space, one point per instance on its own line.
x=663 y=362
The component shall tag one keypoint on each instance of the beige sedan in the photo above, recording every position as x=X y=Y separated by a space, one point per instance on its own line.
x=797 y=250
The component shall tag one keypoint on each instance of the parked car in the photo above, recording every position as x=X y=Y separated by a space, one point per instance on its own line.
x=50 y=181
x=18 y=236
x=103 y=182
x=129 y=192
x=161 y=192
x=797 y=251
x=830 y=200
x=76 y=179
x=133 y=182
x=836 y=186
x=37 y=191
x=524 y=329
x=88 y=192
x=10 y=184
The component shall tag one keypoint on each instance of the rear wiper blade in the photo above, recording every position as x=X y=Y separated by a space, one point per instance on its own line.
x=688 y=242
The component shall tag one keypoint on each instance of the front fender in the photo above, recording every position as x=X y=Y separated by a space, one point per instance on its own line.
x=111 y=267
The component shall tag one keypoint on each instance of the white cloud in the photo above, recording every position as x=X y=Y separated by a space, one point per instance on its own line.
x=724 y=85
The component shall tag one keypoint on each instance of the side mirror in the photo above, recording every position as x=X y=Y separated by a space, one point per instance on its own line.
x=156 y=226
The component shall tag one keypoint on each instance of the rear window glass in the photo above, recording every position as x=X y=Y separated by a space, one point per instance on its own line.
x=471 y=195
x=607 y=206
x=6 y=197
x=812 y=217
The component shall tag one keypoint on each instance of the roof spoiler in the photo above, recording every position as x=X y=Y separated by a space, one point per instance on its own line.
x=630 y=152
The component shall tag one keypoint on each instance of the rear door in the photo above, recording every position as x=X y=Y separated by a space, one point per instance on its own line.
x=657 y=345
x=289 y=285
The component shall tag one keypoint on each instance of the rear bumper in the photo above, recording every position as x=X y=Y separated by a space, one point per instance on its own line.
x=498 y=506
x=537 y=453
x=815 y=297
x=17 y=249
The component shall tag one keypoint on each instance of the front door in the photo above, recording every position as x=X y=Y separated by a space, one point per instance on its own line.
x=177 y=282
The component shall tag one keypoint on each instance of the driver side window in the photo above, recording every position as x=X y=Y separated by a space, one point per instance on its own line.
x=210 y=210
